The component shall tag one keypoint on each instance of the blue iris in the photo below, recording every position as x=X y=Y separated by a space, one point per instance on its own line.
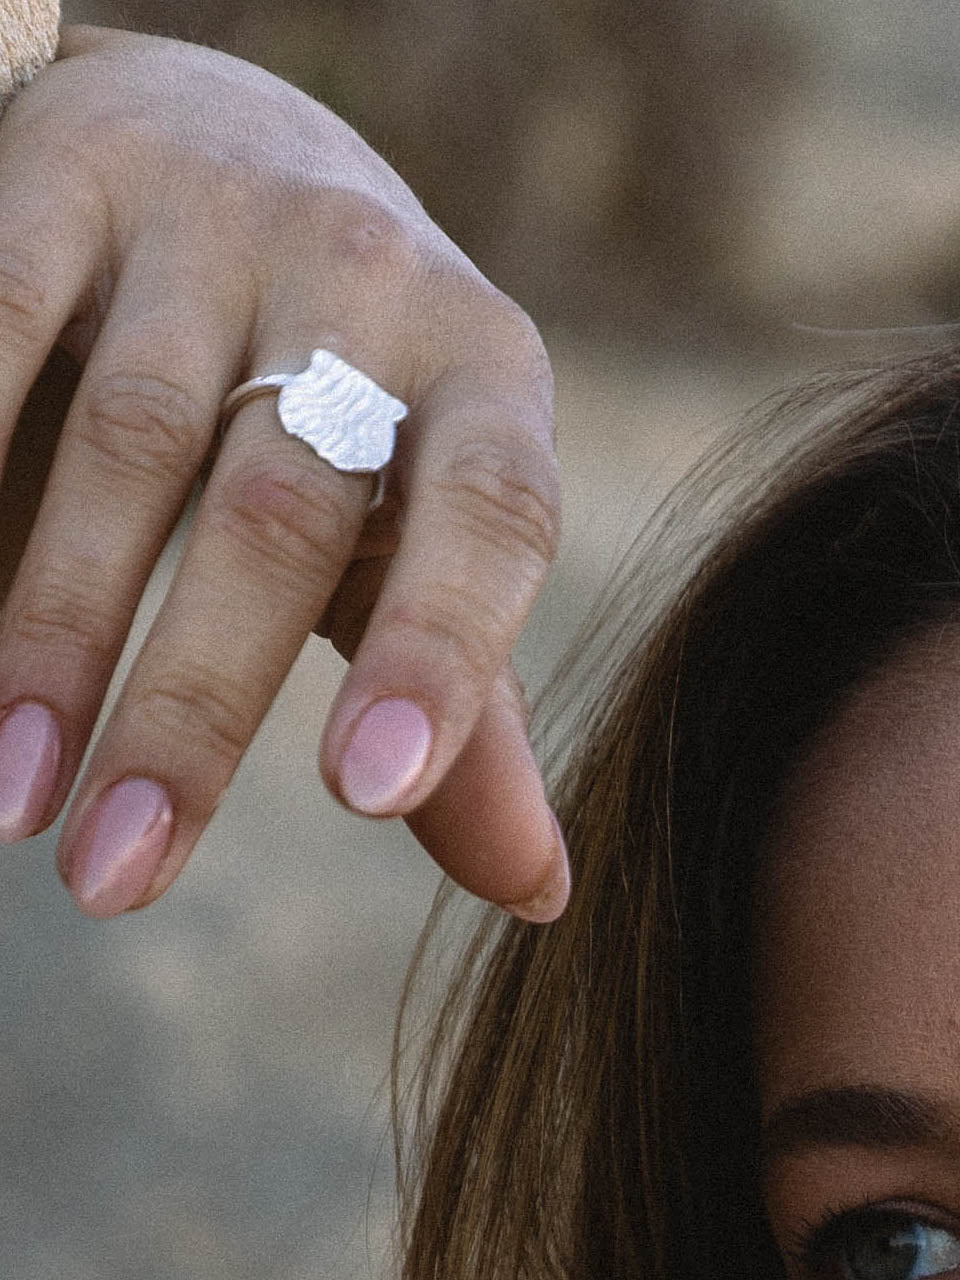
x=895 y=1247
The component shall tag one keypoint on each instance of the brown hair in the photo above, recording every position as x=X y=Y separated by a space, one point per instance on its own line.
x=586 y=1104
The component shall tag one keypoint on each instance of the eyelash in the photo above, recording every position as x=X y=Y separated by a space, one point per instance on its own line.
x=816 y=1240
x=810 y=1243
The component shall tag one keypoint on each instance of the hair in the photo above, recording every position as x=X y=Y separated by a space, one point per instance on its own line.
x=586 y=1105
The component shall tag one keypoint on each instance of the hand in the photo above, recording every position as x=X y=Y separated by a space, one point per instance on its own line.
x=181 y=221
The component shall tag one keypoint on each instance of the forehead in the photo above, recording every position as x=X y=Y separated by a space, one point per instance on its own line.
x=859 y=893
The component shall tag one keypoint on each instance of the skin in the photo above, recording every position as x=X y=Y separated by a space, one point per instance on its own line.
x=181 y=221
x=859 y=962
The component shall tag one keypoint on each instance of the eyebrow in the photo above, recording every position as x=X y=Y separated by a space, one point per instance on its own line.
x=858 y=1116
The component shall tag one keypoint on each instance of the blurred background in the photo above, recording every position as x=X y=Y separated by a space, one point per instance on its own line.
x=691 y=198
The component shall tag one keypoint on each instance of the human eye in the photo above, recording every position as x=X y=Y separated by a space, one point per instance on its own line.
x=879 y=1244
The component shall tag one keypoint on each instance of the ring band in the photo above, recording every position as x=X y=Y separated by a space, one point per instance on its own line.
x=340 y=412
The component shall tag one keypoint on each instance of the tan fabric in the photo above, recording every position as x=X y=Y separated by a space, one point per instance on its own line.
x=28 y=40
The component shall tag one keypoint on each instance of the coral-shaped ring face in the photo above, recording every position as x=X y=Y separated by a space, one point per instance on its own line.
x=348 y=419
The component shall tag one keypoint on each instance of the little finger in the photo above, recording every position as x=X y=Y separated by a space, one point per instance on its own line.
x=488 y=823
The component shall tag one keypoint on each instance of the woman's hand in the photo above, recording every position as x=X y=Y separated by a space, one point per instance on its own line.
x=182 y=221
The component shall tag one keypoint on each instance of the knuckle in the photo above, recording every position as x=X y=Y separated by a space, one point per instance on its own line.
x=523 y=334
x=506 y=497
x=530 y=344
x=142 y=424
x=523 y=339
x=59 y=620
x=459 y=626
x=370 y=240
x=497 y=331
x=198 y=707
x=289 y=517
x=23 y=300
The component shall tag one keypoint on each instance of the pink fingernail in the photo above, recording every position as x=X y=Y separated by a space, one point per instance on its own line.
x=29 y=760
x=549 y=902
x=119 y=847
x=386 y=756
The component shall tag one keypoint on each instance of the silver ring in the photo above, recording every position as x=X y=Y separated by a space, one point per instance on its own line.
x=343 y=415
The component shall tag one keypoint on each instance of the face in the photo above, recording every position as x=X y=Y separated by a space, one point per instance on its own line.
x=859 y=984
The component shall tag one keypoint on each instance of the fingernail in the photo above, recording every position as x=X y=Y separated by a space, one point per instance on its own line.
x=548 y=903
x=386 y=756
x=29 y=760
x=119 y=847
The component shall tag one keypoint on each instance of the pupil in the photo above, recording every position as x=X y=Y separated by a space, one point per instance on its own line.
x=886 y=1253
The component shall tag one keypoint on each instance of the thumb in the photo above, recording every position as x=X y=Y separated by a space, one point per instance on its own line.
x=488 y=824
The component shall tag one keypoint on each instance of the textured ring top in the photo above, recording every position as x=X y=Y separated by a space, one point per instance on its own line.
x=29 y=34
x=345 y=417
